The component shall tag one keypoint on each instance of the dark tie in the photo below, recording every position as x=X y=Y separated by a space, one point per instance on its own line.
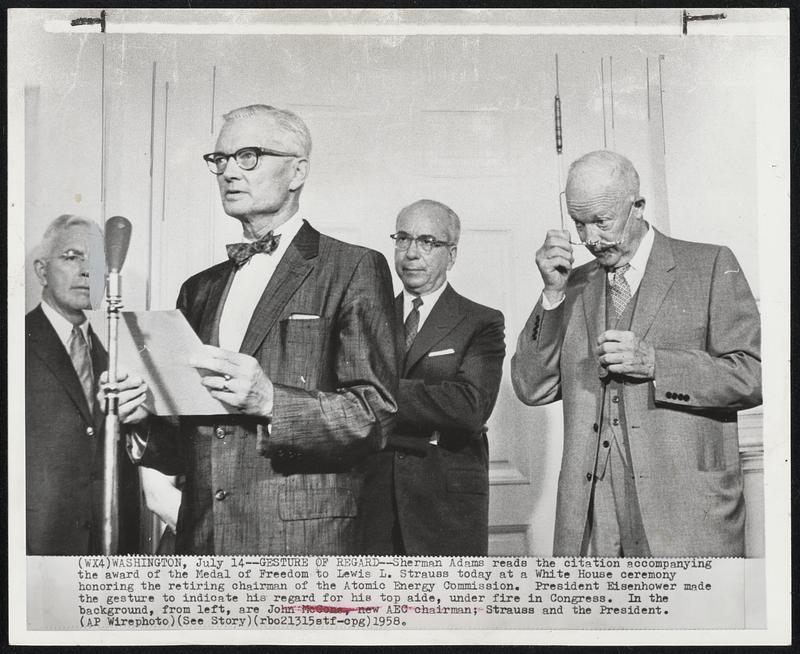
x=240 y=253
x=79 y=353
x=620 y=289
x=412 y=322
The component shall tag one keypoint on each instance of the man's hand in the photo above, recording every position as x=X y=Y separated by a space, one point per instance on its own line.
x=554 y=260
x=624 y=353
x=235 y=379
x=132 y=392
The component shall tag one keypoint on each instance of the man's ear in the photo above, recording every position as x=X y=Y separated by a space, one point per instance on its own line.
x=40 y=268
x=300 y=174
x=453 y=254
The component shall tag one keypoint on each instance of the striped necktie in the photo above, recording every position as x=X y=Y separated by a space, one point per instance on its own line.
x=412 y=322
x=81 y=360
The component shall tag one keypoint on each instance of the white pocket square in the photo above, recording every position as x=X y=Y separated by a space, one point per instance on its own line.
x=303 y=316
x=441 y=353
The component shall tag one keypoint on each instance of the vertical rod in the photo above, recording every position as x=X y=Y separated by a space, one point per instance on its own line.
x=661 y=100
x=559 y=141
x=148 y=291
x=647 y=71
x=213 y=95
x=611 y=88
x=103 y=134
x=603 y=92
x=164 y=155
x=111 y=434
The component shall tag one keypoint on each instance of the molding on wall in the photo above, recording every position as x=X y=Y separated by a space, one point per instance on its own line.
x=503 y=472
x=751 y=430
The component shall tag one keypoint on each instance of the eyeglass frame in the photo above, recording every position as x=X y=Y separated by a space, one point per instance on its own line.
x=426 y=246
x=588 y=244
x=260 y=152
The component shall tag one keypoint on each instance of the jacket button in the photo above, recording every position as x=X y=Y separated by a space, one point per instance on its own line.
x=588 y=476
x=669 y=395
x=615 y=399
x=685 y=397
x=605 y=443
x=90 y=431
x=615 y=421
x=219 y=432
x=220 y=495
x=595 y=427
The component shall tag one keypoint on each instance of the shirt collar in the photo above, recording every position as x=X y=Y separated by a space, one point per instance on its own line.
x=639 y=259
x=287 y=230
x=61 y=325
x=428 y=300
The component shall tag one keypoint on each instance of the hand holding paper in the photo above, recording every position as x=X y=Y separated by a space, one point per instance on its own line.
x=235 y=379
x=156 y=346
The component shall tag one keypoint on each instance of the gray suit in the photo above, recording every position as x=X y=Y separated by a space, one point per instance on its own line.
x=695 y=308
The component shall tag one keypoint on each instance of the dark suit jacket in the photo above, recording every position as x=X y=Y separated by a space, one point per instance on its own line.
x=438 y=495
x=64 y=452
x=695 y=308
x=293 y=490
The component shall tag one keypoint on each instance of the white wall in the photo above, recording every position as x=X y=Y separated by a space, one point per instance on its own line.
x=467 y=120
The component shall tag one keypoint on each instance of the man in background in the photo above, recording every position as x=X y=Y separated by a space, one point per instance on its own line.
x=300 y=346
x=427 y=493
x=63 y=421
x=653 y=347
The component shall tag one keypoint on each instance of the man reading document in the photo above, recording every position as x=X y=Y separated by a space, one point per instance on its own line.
x=653 y=347
x=300 y=345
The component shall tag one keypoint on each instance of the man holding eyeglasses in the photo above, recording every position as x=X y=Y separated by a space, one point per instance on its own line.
x=653 y=347
x=300 y=346
x=63 y=421
x=428 y=492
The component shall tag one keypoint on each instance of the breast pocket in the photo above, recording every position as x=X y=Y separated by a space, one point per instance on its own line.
x=304 y=349
x=441 y=362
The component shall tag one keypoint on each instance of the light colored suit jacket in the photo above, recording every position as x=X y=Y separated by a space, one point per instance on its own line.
x=294 y=490
x=695 y=308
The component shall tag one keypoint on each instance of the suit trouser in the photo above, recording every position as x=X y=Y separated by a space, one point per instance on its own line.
x=614 y=522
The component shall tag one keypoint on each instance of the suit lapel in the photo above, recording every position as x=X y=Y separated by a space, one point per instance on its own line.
x=594 y=303
x=443 y=318
x=296 y=264
x=44 y=343
x=217 y=289
x=400 y=339
x=659 y=276
x=99 y=365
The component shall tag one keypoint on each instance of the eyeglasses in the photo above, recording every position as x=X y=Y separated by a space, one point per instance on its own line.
x=246 y=158
x=426 y=242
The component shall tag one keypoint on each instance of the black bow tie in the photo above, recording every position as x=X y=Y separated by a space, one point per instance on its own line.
x=240 y=253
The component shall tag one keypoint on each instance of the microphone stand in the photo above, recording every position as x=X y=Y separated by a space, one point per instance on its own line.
x=112 y=428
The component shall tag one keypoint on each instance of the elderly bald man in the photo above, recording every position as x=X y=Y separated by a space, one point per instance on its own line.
x=653 y=347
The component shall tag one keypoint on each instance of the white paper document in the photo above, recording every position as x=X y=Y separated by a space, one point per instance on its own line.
x=157 y=346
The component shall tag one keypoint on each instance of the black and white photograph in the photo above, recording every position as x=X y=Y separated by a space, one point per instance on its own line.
x=420 y=326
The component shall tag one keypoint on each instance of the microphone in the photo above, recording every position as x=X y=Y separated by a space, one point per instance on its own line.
x=118 y=238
